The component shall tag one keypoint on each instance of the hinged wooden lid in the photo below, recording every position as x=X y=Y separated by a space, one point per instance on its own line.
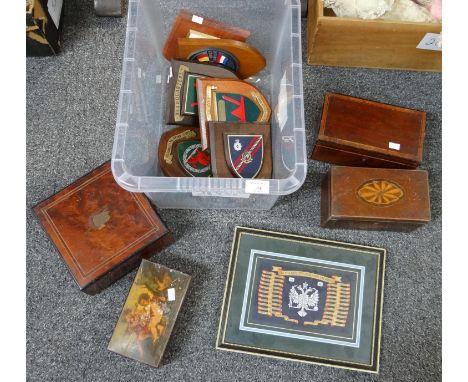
x=378 y=194
x=96 y=225
x=372 y=128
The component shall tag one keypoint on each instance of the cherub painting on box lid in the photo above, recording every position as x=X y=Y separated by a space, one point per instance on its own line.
x=149 y=313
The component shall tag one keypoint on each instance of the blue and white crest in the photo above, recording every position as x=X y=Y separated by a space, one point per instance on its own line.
x=244 y=154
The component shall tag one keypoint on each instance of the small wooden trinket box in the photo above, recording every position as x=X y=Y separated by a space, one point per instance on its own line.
x=149 y=313
x=375 y=198
x=101 y=230
x=358 y=132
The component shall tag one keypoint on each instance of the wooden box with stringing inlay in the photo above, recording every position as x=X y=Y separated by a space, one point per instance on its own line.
x=358 y=132
x=101 y=230
x=375 y=199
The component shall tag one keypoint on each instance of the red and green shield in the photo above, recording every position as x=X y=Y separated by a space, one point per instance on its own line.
x=193 y=159
x=233 y=107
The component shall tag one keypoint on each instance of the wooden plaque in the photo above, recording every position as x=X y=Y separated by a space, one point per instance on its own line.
x=180 y=153
x=101 y=230
x=187 y=24
x=230 y=101
x=250 y=59
x=183 y=104
x=221 y=161
x=358 y=132
x=375 y=199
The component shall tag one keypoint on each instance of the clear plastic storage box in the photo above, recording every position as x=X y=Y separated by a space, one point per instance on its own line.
x=276 y=33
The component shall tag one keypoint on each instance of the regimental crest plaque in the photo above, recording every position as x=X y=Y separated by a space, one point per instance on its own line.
x=239 y=56
x=240 y=150
x=232 y=107
x=217 y=57
x=230 y=101
x=304 y=299
x=191 y=26
x=193 y=159
x=182 y=103
x=244 y=154
x=180 y=153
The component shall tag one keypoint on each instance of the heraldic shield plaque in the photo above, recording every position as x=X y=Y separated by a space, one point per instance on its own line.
x=303 y=299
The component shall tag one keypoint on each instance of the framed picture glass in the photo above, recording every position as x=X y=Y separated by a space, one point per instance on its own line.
x=303 y=299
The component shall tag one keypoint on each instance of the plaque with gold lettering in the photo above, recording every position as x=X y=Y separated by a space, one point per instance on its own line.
x=183 y=103
x=180 y=153
x=229 y=100
x=191 y=25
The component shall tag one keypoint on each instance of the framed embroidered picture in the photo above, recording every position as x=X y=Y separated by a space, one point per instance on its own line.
x=149 y=313
x=304 y=299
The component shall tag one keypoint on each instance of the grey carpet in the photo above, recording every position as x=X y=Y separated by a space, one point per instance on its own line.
x=71 y=111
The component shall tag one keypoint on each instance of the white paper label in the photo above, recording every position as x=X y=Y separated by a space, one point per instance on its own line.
x=171 y=294
x=291 y=279
x=158 y=79
x=431 y=41
x=256 y=186
x=197 y=19
x=55 y=9
x=394 y=146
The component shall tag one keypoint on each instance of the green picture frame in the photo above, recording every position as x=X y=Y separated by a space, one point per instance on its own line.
x=303 y=299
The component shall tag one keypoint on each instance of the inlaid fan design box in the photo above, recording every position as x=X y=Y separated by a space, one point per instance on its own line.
x=375 y=198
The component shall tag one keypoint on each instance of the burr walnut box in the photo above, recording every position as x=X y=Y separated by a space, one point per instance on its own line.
x=358 y=132
x=101 y=230
x=375 y=198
